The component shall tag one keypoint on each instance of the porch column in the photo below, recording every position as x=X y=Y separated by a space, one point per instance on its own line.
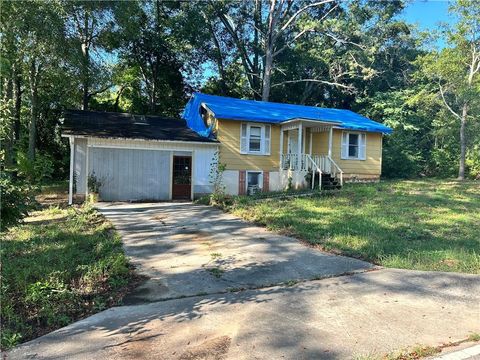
x=299 y=159
x=310 y=143
x=281 y=147
x=72 y=160
x=87 y=173
x=330 y=140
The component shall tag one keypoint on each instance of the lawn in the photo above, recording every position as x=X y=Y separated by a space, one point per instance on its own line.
x=62 y=264
x=422 y=225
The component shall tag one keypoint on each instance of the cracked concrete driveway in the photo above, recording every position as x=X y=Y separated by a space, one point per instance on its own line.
x=347 y=317
x=187 y=250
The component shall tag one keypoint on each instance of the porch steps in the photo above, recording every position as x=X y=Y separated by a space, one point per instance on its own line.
x=330 y=182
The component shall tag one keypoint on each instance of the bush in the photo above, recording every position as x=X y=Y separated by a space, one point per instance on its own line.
x=16 y=200
x=36 y=171
x=473 y=162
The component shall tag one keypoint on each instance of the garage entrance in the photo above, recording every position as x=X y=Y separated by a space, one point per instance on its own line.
x=182 y=178
x=131 y=174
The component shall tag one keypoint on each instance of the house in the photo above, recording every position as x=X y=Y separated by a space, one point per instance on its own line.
x=264 y=146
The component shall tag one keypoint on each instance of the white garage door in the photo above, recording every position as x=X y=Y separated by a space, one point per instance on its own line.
x=129 y=175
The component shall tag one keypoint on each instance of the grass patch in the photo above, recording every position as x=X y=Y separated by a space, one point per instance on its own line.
x=421 y=224
x=216 y=271
x=60 y=265
x=474 y=337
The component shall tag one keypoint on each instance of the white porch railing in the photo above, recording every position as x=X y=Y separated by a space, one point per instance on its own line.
x=323 y=164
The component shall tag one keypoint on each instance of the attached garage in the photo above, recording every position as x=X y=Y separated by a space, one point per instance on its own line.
x=136 y=158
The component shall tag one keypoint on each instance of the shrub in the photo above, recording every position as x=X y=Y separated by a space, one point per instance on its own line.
x=473 y=162
x=36 y=171
x=16 y=200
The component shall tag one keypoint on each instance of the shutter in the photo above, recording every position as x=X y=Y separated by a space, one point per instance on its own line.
x=344 y=145
x=266 y=181
x=363 y=146
x=266 y=149
x=242 y=182
x=243 y=139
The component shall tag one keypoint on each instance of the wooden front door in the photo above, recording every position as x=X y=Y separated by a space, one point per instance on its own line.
x=182 y=177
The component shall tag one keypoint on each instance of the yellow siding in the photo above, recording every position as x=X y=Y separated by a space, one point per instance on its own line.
x=373 y=163
x=371 y=166
x=320 y=143
x=228 y=133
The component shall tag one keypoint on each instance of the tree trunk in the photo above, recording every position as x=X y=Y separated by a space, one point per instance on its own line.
x=270 y=38
x=463 y=142
x=267 y=74
x=86 y=64
x=32 y=128
x=117 y=98
x=8 y=99
x=17 y=94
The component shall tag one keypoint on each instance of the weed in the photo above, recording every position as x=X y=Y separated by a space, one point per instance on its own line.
x=216 y=271
x=474 y=337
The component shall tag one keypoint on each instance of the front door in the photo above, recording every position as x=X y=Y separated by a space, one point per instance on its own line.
x=182 y=178
x=293 y=142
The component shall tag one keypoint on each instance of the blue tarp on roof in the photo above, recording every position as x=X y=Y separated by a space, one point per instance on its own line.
x=270 y=112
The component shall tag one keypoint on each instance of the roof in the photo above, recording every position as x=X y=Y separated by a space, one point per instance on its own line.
x=274 y=113
x=122 y=125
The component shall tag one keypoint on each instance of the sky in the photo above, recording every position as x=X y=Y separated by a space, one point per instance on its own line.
x=427 y=14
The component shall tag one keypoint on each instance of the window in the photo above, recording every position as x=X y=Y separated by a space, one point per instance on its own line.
x=353 y=146
x=255 y=139
x=254 y=182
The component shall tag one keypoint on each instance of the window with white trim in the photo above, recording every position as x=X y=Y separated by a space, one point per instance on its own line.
x=354 y=146
x=255 y=139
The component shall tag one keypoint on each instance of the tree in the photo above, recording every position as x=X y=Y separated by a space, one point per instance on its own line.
x=456 y=70
x=260 y=31
x=88 y=27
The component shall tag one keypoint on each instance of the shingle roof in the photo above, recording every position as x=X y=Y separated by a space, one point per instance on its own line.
x=270 y=112
x=122 y=125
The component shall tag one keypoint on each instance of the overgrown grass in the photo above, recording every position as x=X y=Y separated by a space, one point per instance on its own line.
x=423 y=225
x=59 y=266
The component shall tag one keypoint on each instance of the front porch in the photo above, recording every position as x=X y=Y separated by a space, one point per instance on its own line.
x=306 y=148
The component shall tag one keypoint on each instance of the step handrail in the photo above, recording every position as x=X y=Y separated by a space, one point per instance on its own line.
x=338 y=168
x=309 y=158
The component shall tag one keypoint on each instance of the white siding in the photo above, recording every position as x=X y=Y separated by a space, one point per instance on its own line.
x=275 y=183
x=128 y=175
x=230 y=181
x=80 y=149
x=202 y=156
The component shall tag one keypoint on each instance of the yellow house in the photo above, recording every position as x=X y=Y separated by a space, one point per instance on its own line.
x=264 y=146
x=271 y=146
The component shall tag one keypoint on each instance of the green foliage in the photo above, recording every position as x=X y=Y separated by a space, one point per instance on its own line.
x=38 y=170
x=94 y=184
x=65 y=265
x=473 y=161
x=216 y=174
x=16 y=200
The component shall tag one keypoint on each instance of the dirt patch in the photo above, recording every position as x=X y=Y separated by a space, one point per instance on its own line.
x=201 y=237
x=47 y=200
x=211 y=349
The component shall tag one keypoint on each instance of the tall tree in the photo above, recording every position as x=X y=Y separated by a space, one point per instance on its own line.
x=456 y=70
x=89 y=25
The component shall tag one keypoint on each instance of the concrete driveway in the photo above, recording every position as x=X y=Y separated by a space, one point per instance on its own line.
x=187 y=250
x=200 y=258
x=347 y=317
